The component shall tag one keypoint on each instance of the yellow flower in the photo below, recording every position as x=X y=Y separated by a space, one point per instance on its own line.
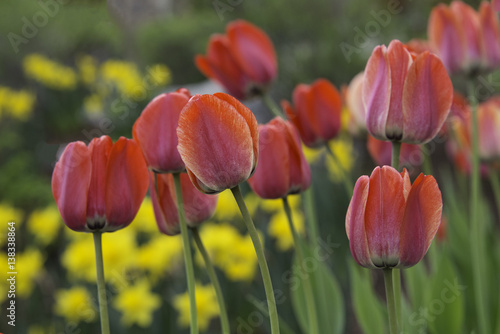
x=87 y=68
x=227 y=208
x=137 y=304
x=92 y=105
x=37 y=329
x=49 y=73
x=126 y=77
x=9 y=214
x=18 y=104
x=75 y=305
x=276 y=205
x=279 y=228
x=161 y=254
x=312 y=154
x=206 y=306
x=145 y=220
x=160 y=74
x=45 y=224
x=342 y=148
x=29 y=265
x=241 y=260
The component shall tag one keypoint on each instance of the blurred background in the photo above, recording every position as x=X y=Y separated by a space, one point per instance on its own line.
x=75 y=69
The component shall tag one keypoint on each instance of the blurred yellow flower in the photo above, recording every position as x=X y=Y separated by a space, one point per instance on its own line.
x=345 y=119
x=29 y=265
x=37 y=329
x=9 y=214
x=125 y=76
x=312 y=154
x=4 y=284
x=49 y=73
x=226 y=206
x=92 y=105
x=160 y=74
x=276 y=205
x=17 y=104
x=87 y=68
x=342 y=148
x=161 y=254
x=137 y=304
x=45 y=224
x=145 y=220
x=279 y=228
x=240 y=263
x=206 y=306
x=75 y=305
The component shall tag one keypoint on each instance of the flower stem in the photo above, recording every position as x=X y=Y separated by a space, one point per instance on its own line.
x=259 y=250
x=495 y=185
x=272 y=106
x=101 y=284
x=389 y=293
x=349 y=187
x=215 y=281
x=476 y=224
x=188 y=258
x=310 y=304
x=396 y=150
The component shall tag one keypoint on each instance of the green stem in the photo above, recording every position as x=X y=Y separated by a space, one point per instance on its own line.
x=215 y=281
x=495 y=185
x=476 y=224
x=313 y=230
x=396 y=151
x=308 y=290
x=389 y=293
x=284 y=327
x=259 y=250
x=188 y=258
x=349 y=187
x=101 y=284
x=396 y=277
x=273 y=107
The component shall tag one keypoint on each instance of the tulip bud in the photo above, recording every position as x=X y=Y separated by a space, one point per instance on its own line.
x=488 y=115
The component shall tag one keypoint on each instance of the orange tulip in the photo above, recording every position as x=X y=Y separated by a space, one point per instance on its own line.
x=100 y=187
x=243 y=60
x=390 y=222
x=488 y=115
x=316 y=112
x=381 y=153
x=155 y=130
x=406 y=99
x=218 y=141
x=282 y=169
x=197 y=206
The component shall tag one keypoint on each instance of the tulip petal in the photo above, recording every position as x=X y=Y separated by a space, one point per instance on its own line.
x=421 y=220
x=127 y=182
x=469 y=27
x=167 y=221
x=490 y=35
x=427 y=98
x=197 y=205
x=324 y=108
x=70 y=184
x=300 y=172
x=300 y=115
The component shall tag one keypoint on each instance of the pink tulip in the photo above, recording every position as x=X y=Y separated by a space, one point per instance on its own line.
x=355 y=106
x=390 y=222
x=488 y=115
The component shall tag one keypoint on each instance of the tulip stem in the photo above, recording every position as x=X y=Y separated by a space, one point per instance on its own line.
x=215 y=281
x=188 y=258
x=396 y=150
x=101 y=284
x=344 y=175
x=272 y=106
x=391 y=307
x=396 y=278
x=259 y=250
x=308 y=290
x=476 y=223
x=495 y=185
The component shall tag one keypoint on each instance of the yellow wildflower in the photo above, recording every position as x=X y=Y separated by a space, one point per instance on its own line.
x=137 y=304
x=49 y=73
x=9 y=214
x=87 y=68
x=125 y=76
x=161 y=254
x=275 y=205
x=92 y=105
x=279 y=228
x=312 y=154
x=29 y=265
x=227 y=208
x=17 y=104
x=145 y=220
x=45 y=224
x=241 y=260
x=340 y=167
x=218 y=239
x=160 y=74
x=206 y=306
x=75 y=305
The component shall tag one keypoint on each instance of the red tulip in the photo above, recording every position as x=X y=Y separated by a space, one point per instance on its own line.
x=496 y=5
x=316 y=112
x=243 y=60
x=381 y=153
x=391 y=223
x=100 y=187
x=417 y=46
x=197 y=206
x=488 y=114
x=218 y=141
x=282 y=169
x=155 y=130
x=406 y=99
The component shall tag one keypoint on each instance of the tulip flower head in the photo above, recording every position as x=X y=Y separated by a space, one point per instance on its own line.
x=243 y=60
x=316 y=112
x=100 y=187
x=198 y=207
x=488 y=115
x=381 y=153
x=155 y=130
x=405 y=99
x=282 y=169
x=355 y=106
x=391 y=223
x=218 y=141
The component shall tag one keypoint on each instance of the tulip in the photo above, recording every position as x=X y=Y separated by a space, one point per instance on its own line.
x=488 y=115
x=406 y=99
x=354 y=103
x=381 y=153
x=218 y=141
x=154 y=131
x=417 y=46
x=282 y=169
x=243 y=60
x=100 y=188
x=316 y=112
x=391 y=223
x=198 y=207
